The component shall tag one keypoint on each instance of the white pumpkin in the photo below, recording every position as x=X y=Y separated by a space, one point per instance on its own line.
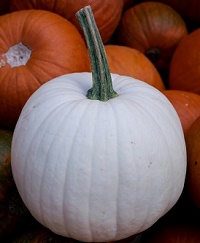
x=95 y=170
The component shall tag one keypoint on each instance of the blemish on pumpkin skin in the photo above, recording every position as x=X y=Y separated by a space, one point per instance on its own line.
x=150 y=163
x=195 y=163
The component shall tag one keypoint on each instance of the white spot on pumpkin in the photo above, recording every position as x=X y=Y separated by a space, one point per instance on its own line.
x=2 y=63
x=17 y=55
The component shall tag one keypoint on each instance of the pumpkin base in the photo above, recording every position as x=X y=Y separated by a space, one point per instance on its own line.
x=17 y=55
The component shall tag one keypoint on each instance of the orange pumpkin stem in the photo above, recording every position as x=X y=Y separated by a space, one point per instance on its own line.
x=102 y=82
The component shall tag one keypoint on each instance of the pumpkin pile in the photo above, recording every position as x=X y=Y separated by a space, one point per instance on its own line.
x=99 y=121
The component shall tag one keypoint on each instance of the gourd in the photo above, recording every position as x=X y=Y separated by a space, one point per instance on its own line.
x=12 y=210
x=189 y=9
x=103 y=155
x=186 y=104
x=184 y=72
x=153 y=28
x=31 y=53
x=107 y=12
x=176 y=233
x=193 y=160
x=128 y=61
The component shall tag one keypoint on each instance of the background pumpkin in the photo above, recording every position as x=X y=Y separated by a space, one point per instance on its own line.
x=100 y=149
x=193 y=160
x=45 y=46
x=189 y=9
x=184 y=73
x=187 y=105
x=127 y=61
x=153 y=28
x=12 y=210
x=176 y=233
x=107 y=13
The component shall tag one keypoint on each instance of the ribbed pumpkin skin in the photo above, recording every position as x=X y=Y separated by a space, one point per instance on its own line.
x=176 y=234
x=56 y=48
x=184 y=73
x=113 y=168
x=11 y=213
x=193 y=158
x=131 y=62
x=107 y=13
x=186 y=104
x=153 y=28
x=189 y=9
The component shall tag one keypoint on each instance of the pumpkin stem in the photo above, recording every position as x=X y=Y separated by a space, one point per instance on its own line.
x=102 y=82
x=153 y=54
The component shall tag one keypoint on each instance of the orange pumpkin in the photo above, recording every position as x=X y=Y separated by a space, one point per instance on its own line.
x=107 y=13
x=176 y=234
x=189 y=9
x=131 y=62
x=184 y=73
x=193 y=158
x=186 y=104
x=153 y=28
x=35 y=46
